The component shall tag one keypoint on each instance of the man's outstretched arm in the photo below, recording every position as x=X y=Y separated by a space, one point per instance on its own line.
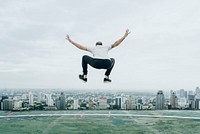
x=76 y=44
x=121 y=39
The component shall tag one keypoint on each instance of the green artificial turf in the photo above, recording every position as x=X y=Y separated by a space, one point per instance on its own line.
x=98 y=125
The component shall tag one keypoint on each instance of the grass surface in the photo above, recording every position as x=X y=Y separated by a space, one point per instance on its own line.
x=98 y=125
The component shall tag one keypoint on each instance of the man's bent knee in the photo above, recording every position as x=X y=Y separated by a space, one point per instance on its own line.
x=85 y=57
x=113 y=61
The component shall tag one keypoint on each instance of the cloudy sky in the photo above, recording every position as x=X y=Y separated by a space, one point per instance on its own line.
x=162 y=51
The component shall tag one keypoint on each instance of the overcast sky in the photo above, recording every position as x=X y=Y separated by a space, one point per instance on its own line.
x=161 y=53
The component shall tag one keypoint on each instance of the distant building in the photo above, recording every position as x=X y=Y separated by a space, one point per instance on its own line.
x=173 y=100
x=1 y=101
x=91 y=105
x=182 y=93
x=76 y=104
x=61 y=102
x=131 y=104
x=118 y=102
x=49 y=100
x=182 y=103
x=197 y=98
x=186 y=94
x=30 y=97
x=103 y=102
x=197 y=104
x=191 y=100
x=57 y=103
x=160 y=100
x=197 y=93
x=167 y=102
x=124 y=98
x=197 y=90
x=7 y=104
x=139 y=104
x=17 y=104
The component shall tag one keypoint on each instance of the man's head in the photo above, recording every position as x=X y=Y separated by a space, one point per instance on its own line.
x=99 y=43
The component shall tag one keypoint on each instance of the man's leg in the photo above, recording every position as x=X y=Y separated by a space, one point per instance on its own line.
x=108 y=71
x=85 y=61
x=98 y=64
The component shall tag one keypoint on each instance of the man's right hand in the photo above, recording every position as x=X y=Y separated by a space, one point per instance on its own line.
x=127 y=33
x=67 y=38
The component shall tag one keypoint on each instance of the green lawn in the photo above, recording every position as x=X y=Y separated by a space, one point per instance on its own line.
x=99 y=125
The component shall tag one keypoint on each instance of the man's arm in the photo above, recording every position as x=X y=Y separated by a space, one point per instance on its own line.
x=121 y=39
x=76 y=44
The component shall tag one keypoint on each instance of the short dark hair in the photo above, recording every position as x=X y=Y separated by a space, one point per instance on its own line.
x=99 y=43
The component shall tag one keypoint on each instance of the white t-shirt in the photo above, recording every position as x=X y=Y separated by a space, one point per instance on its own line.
x=100 y=51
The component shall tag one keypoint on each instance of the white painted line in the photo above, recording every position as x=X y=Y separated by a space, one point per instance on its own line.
x=107 y=115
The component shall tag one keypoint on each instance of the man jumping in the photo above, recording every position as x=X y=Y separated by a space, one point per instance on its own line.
x=100 y=59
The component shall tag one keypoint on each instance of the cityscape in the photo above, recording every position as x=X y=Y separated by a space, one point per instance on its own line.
x=55 y=111
x=58 y=99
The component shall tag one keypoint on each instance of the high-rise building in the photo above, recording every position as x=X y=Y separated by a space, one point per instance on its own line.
x=49 y=100
x=173 y=100
x=182 y=93
x=91 y=104
x=197 y=98
x=185 y=94
x=7 y=104
x=118 y=102
x=1 y=101
x=62 y=101
x=103 y=102
x=76 y=104
x=30 y=97
x=197 y=93
x=131 y=104
x=160 y=100
x=124 y=98
x=191 y=100
x=197 y=104
x=197 y=90
x=182 y=103
x=17 y=104
x=57 y=103
x=139 y=104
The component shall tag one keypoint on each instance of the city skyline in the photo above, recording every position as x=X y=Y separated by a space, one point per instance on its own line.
x=161 y=53
x=18 y=100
